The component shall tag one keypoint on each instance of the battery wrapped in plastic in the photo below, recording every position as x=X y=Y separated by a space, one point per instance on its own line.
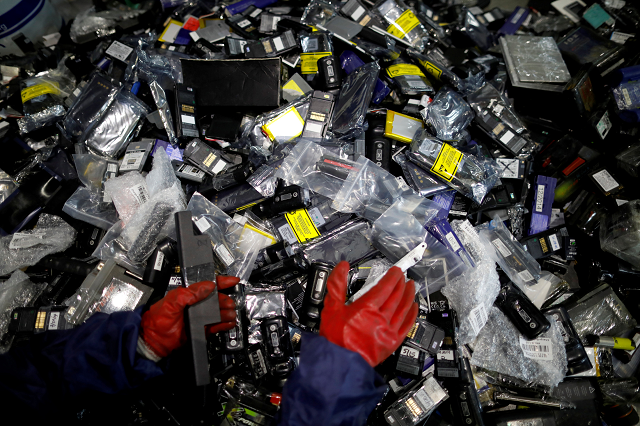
x=489 y=97
x=46 y=117
x=16 y=292
x=111 y=133
x=235 y=246
x=79 y=116
x=620 y=233
x=601 y=313
x=402 y=22
x=7 y=186
x=163 y=109
x=91 y=169
x=128 y=192
x=350 y=241
x=472 y=294
x=299 y=168
x=264 y=180
x=101 y=23
x=514 y=260
x=144 y=64
x=423 y=183
x=470 y=176
x=501 y=348
x=51 y=235
x=87 y=206
x=449 y=114
x=263 y=305
x=111 y=248
x=401 y=228
x=355 y=96
x=477 y=32
x=368 y=186
x=318 y=12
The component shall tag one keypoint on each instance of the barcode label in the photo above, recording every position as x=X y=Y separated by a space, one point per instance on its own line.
x=224 y=254
x=539 y=348
x=244 y=23
x=627 y=98
x=540 y=198
x=287 y=233
x=478 y=318
x=54 y=320
x=504 y=251
x=119 y=51
x=316 y=217
x=525 y=276
x=131 y=160
x=157 y=265
x=140 y=194
x=555 y=244
x=452 y=241
x=605 y=180
x=203 y=224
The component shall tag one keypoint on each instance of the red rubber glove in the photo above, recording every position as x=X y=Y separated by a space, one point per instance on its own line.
x=162 y=329
x=374 y=325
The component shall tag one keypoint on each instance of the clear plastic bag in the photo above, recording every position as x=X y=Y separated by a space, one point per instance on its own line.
x=355 y=96
x=101 y=23
x=263 y=305
x=629 y=160
x=236 y=246
x=7 y=186
x=87 y=206
x=477 y=32
x=163 y=109
x=300 y=168
x=318 y=12
x=501 y=348
x=145 y=65
x=89 y=106
x=620 y=233
x=51 y=235
x=368 y=186
x=91 y=169
x=349 y=241
x=264 y=180
x=162 y=175
x=16 y=292
x=401 y=228
x=465 y=173
x=535 y=59
x=489 y=97
x=110 y=135
x=519 y=265
x=403 y=23
x=601 y=313
x=423 y=183
x=110 y=248
x=128 y=192
x=449 y=114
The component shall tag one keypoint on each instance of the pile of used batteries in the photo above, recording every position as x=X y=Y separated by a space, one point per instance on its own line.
x=490 y=153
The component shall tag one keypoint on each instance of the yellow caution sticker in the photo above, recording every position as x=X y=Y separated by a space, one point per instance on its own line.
x=431 y=69
x=291 y=85
x=302 y=225
x=447 y=162
x=404 y=69
x=309 y=61
x=405 y=23
x=38 y=90
x=286 y=126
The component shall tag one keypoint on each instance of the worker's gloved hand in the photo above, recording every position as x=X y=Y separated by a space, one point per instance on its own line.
x=162 y=329
x=374 y=325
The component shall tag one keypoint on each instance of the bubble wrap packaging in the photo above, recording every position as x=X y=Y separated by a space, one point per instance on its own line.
x=16 y=292
x=449 y=114
x=128 y=192
x=51 y=235
x=87 y=206
x=501 y=348
x=472 y=294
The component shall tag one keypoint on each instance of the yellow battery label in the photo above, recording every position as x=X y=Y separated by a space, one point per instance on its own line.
x=404 y=69
x=431 y=69
x=207 y=161
x=405 y=23
x=38 y=90
x=447 y=162
x=285 y=127
x=309 y=61
x=302 y=225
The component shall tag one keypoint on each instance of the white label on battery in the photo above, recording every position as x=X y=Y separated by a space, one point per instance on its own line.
x=119 y=51
x=605 y=180
x=175 y=280
x=555 y=245
x=316 y=217
x=478 y=318
x=157 y=265
x=517 y=16
x=314 y=127
x=287 y=233
x=525 y=276
x=255 y=13
x=452 y=241
x=203 y=224
x=506 y=138
x=409 y=352
x=244 y=23
x=627 y=98
x=20 y=241
x=77 y=92
x=112 y=167
x=277 y=42
x=414 y=102
x=417 y=83
x=604 y=125
x=489 y=17
x=188 y=119
x=224 y=254
x=358 y=13
x=540 y=198
x=445 y=354
x=504 y=251
x=539 y=348
x=131 y=161
x=140 y=194
x=475 y=10
x=54 y=320
x=621 y=38
x=424 y=399
x=621 y=202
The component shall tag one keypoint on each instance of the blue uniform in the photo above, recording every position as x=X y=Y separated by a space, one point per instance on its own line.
x=332 y=385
